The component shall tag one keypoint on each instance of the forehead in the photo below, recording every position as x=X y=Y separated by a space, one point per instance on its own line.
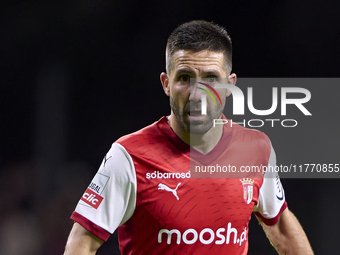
x=204 y=60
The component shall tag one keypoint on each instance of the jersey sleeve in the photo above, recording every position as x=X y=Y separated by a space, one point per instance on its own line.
x=271 y=202
x=110 y=199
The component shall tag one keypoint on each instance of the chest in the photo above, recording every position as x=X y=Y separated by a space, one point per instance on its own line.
x=171 y=198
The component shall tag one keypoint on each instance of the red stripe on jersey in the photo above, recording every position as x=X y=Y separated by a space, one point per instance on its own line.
x=90 y=226
x=273 y=221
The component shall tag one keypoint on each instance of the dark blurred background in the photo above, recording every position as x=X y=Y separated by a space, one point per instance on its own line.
x=77 y=75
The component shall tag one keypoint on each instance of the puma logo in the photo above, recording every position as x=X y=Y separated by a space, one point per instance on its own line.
x=162 y=186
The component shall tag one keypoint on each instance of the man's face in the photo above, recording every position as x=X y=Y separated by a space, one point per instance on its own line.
x=185 y=98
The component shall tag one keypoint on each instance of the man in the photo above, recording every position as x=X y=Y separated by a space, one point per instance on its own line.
x=144 y=186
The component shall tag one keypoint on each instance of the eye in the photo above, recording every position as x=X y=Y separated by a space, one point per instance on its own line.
x=184 y=78
x=212 y=79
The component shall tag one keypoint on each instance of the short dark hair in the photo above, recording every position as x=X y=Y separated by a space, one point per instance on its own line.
x=198 y=35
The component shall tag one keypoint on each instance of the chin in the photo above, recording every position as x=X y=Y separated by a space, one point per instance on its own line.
x=197 y=126
x=200 y=129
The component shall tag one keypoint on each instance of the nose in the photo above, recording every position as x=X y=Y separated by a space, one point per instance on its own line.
x=195 y=92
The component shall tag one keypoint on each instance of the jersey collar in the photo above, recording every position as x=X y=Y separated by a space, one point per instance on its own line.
x=194 y=154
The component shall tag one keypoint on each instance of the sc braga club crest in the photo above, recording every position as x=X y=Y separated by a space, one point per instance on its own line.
x=247 y=189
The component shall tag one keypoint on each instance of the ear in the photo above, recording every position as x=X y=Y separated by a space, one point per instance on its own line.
x=231 y=81
x=165 y=83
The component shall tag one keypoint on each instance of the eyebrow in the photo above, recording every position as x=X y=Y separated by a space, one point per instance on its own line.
x=189 y=71
x=184 y=71
x=211 y=73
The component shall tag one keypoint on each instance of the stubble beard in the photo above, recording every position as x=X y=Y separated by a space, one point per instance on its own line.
x=195 y=127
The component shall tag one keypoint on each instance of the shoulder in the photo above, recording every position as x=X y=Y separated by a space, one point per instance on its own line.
x=251 y=136
x=144 y=137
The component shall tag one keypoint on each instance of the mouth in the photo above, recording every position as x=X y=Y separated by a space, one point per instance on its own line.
x=195 y=113
x=196 y=117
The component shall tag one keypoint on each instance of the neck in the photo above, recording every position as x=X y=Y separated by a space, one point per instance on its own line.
x=204 y=143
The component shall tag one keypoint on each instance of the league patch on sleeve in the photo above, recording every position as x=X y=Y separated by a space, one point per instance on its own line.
x=92 y=195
